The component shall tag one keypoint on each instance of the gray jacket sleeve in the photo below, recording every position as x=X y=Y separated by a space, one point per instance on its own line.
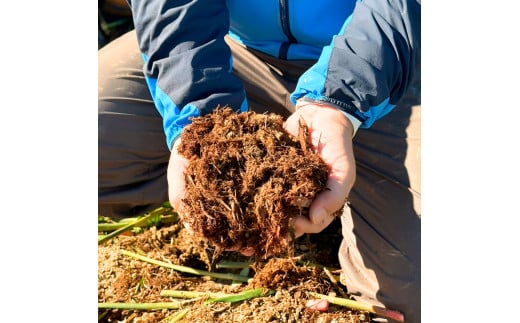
x=187 y=64
x=370 y=64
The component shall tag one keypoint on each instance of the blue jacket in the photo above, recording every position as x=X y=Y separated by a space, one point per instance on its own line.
x=367 y=52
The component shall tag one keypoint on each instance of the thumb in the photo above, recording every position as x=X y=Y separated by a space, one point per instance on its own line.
x=176 y=177
x=329 y=201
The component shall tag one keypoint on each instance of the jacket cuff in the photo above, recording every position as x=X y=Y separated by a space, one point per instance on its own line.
x=356 y=123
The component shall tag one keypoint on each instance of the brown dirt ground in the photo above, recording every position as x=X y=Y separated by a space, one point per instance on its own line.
x=124 y=279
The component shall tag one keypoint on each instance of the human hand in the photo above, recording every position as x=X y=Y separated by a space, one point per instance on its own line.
x=331 y=134
x=177 y=166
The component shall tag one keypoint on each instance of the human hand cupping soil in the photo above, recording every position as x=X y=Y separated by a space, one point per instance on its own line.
x=176 y=177
x=245 y=179
x=241 y=201
x=331 y=134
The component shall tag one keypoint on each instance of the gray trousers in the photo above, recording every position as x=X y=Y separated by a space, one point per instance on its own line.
x=380 y=251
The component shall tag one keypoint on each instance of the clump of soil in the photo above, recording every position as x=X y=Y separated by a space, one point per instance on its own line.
x=279 y=273
x=247 y=177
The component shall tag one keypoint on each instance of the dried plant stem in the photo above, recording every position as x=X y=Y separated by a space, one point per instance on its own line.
x=218 y=297
x=355 y=305
x=190 y=294
x=141 y=306
x=334 y=281
x=188 y=270
x=177 y=316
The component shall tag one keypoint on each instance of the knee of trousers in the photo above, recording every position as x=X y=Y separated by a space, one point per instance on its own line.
x=377 y=273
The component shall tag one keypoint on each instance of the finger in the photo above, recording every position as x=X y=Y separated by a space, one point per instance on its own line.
x=176 y=180
x=291 y=124
x=302 y=225
x=248 y=252
x=332 y=199
x=325 y=205
x=321 y=305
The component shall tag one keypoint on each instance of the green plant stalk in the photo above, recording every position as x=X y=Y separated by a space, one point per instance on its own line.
x=248 y=294
x=334 y=281
x=167 y=204
x=128 y=220
x=107 y=227
x=191 y=294
x=140 y=306
x=232 y=264
x=355 y=305
x=142 y=221
x=186 y=269
x=110 y=226
x=244 y=272
x=177 y=317
x=102 y=315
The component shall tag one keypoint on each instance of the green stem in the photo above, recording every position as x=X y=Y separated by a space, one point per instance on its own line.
x=191 y=294
x=355 y=305
x=244 y=273
x=232 y=264
x=102 y=315
x=139 y=222
x=217 y=297
x=177 y=317
x=334 y=281
x=107 y=227
x=185 y=269
x=248 y=294
x=140 y=306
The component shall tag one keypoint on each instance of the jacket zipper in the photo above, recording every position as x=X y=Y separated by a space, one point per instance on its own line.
x=284 y=17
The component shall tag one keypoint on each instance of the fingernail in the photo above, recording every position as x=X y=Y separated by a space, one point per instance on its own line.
x=318 y=216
